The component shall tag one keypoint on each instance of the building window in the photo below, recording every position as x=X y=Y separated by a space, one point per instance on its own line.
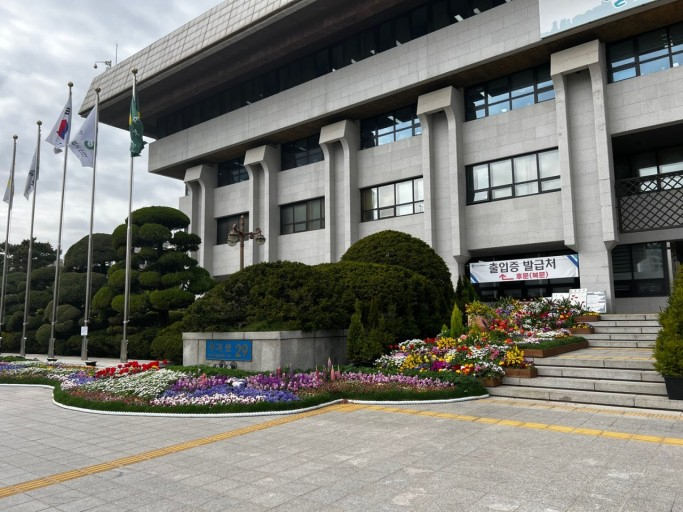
x=231 y=172
x=392 y=200
x=424 y=18
x=665 y=167
x=509 y=93
x=647 y=53
x=523 y=175
x=225 y=224
x=301 y=152
x=304 y=216
x=639 y=270
x=396 y=125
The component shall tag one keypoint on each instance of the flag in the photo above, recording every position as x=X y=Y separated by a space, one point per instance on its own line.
x=135 y=124
x=59 y=135
x=9 y=191
x=83 y=144
x=32 y=176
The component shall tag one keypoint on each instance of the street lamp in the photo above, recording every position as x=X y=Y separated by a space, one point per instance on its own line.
x=237 y=234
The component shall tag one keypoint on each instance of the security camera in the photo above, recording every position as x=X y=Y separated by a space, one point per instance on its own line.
x=95 y=66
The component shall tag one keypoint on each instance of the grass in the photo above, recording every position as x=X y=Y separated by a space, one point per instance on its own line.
x=556 y=342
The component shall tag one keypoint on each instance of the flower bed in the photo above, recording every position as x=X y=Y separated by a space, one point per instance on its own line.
x=148 y=388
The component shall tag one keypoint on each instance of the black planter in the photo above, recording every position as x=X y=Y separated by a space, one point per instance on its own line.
x=674 y=387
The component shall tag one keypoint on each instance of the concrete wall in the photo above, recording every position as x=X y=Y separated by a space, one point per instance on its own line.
x=273 y=350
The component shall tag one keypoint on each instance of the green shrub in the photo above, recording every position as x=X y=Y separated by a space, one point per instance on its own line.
x=355 y=339
x=401 y=249
x=457 y=326
x=171 y=298
x=464 y=294
x=668 y=349
x=168 y=343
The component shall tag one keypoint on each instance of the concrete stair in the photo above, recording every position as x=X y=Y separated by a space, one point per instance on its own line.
x=616 y=369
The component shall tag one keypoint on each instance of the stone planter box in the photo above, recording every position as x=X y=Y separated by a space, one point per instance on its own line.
x=581 y=319
x=549 y=352
x=581 y=330
x=523 y=373
x=269 y=350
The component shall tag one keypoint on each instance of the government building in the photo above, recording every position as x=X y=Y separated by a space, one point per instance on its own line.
x=536 y=145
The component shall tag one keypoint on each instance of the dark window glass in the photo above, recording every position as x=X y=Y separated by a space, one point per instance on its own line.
x=231 y=172
x=301 y=152
x=640 y=270
x=647 y=53
x=513 y=177
x=399 y=124
x=225 y=224
x=508 y=93
x=303 y=216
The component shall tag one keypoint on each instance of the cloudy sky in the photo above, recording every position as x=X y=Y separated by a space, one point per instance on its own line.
x=44 y=45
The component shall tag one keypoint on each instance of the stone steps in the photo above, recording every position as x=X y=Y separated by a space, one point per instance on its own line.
x=616 y=369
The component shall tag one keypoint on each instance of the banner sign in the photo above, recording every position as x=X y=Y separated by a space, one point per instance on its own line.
x=228 y=350
x=559 y=15
x=550 y=267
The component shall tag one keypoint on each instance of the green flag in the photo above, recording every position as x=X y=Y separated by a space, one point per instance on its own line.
x=135 y=124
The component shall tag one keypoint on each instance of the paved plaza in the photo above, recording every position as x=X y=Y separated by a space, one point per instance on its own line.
x=491 y=454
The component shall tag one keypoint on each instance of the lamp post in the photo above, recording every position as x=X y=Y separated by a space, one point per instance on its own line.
x=237 y=234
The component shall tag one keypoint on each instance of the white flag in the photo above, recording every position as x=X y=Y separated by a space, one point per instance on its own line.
x=31 y=178
x=83 y=144
x=9 y=191
x=59 y=136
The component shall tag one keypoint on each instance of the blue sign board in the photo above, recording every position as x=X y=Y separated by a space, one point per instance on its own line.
x=229 y=350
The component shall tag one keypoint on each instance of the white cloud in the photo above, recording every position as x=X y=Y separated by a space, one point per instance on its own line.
x=44 y=45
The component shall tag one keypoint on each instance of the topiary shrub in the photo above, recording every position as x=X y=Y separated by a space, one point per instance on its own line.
x=168 y=343
x=457 y=326
x=668 y=349
x=464 y=294
x=355 y=339
x=401 y=249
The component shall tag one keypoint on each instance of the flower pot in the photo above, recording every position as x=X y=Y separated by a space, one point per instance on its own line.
x=523 y=373
x=550 y=352
x=580 y=319
x=491 y=382
x=674 y=387
x=581 y=330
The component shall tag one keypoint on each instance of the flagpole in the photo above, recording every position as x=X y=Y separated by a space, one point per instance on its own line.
x=29 y=264
x=129 y=243
x=9 y=217
x=55 y=295
x=88 y=279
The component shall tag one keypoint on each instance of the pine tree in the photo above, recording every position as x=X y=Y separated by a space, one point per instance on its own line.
x=355 y=340
x=668 y=350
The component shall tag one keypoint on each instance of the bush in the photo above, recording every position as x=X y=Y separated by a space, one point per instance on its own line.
x=403 y=250
x=294 y=296
x=171 y=298
x=355 y=339
x=168 y=343
x=668 y=349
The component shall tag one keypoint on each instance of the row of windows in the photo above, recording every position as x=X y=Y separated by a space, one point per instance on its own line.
x=647 y=53
x=301 y=152
x=639 y=270
x=664 y=165
x=509 y=93
x=428 y=17
x=513 y=177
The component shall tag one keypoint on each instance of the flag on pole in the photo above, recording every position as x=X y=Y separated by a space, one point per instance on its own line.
x=60 y=133
x=9 y=191
x=83 y=144
x=32 y=176
x=135 y=124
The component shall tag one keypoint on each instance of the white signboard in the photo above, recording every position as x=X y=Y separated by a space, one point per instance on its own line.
x=578 y=297
x=528 y=269
x=597 y=302
x=560 y=15
x=84 y=330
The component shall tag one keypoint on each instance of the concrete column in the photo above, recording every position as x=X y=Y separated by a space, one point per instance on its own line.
x=201 y=181
x=340 y=143
x=442 y=115
x=263 y=165
x=587 y=172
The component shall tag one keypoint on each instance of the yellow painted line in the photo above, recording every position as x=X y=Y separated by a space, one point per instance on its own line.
x=560 y=407
x=543 y=426
x=160 y=452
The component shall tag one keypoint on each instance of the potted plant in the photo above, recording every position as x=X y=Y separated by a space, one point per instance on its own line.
x=515 y=365
x=581 y=328
x=587 y=316
x=668 y=350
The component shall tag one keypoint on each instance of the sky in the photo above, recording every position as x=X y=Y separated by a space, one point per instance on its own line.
x=44 y=45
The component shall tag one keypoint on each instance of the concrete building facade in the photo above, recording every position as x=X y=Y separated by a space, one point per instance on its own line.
x=459 y=122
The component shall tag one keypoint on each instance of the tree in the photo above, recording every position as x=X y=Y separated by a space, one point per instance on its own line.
x=42 y=255
x=103 y=254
